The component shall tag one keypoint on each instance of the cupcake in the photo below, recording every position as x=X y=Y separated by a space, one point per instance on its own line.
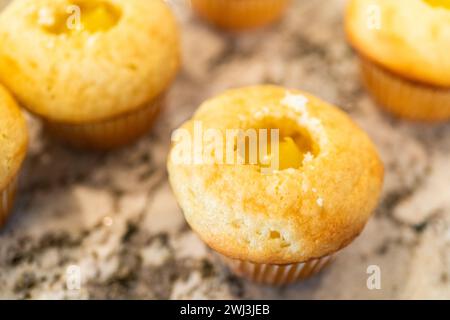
x=94 y=71
x=275 y=181
x=13 y=145
x=404 y=47
x=240 y=14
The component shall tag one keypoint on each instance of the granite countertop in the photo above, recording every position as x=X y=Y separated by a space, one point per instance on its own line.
x=113 y=217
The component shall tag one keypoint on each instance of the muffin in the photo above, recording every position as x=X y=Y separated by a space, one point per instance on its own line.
x=404 y=47
x=13 y=146
x=274 y=224
x=240 y=14
x=95 y=71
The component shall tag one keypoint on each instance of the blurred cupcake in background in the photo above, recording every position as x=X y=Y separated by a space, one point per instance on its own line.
x=240 y=14
x=276 y=181
x=404 y=48
x=94 y=71
x=13 y=146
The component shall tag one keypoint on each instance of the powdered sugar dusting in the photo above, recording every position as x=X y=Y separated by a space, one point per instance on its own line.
x=262 y=113
x=308 y=157
x=298 y=103
x=46 y=17
x=305 y=185
x=320 y=202
x=290 y=170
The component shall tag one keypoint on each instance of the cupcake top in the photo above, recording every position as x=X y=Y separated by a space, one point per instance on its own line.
x=87 y=60
x=317 y=198
x=409 y=37
x=13 y=138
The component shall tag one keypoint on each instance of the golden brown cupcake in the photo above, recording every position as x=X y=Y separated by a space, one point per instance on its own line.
x=240 y=14
x=95 y=71
x=282 y=215
x=13 y=145
x=404 y=48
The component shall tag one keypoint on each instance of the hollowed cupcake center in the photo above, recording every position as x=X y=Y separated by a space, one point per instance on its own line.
x=439 y=3
x=290 y=155
x=79 y=16
x=287 y=155
x=290 y=149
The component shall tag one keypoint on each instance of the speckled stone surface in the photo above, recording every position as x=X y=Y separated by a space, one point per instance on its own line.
x=113 y=215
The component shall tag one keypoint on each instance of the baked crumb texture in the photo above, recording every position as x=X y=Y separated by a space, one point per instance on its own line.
x=13 y=138
x=13 y=145
x=404 y=46
x=80 y=62
x=291 y=215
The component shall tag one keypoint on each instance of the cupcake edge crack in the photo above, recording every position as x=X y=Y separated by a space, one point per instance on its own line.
x=78 y=82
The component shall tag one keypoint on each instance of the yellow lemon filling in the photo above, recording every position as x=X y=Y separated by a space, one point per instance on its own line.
x=288 y=155
x=439 y=3
x=98 y=17
x=82 y=16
